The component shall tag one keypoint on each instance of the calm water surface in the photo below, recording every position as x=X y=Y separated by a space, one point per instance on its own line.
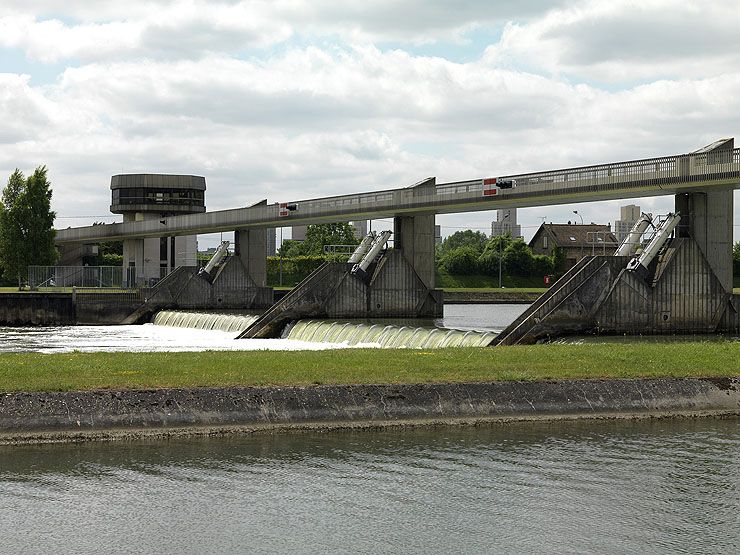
x=666 y=486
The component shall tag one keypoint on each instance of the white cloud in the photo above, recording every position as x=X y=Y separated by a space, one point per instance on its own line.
x=627 y=41
x=168 y=94
x=189 y=28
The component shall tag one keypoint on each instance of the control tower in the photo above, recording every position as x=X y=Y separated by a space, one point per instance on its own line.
x=152 y=196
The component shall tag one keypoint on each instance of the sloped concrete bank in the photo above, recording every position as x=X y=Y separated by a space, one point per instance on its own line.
x=72 y=416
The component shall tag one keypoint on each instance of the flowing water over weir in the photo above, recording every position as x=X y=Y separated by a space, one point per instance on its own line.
x=203 y=320
x=386 y=335
x=322 y=331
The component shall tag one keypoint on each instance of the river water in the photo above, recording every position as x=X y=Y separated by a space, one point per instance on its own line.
x=148 y=337
x=649 y=486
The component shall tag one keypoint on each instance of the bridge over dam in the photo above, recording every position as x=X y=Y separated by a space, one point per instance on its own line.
x=400 y=281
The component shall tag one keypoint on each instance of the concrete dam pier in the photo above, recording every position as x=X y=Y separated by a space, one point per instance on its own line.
x=679 y=282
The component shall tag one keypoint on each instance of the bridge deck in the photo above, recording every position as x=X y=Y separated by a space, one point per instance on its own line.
x=631 y=179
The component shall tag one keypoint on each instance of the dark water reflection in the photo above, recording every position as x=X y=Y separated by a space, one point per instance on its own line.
x=665 y=486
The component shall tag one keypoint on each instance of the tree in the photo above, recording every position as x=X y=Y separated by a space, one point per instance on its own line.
x=317 y=237
x=467 y=238
x=518 y=258
x=26 y=224
x=110 y=253
x=11 y=228
x=736 y=258
x=320 y=235
x=488 y=261
x=462 y=261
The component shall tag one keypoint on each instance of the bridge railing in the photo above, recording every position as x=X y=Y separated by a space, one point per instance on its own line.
x=650 y=171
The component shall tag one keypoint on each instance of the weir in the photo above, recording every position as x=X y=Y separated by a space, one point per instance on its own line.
x=323 y=331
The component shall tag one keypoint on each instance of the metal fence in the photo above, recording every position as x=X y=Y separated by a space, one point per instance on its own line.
x=98 y=277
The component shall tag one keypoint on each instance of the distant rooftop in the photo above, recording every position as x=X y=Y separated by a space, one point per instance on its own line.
x=576 y=235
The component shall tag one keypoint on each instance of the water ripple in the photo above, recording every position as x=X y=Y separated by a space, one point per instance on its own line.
x=622 y=487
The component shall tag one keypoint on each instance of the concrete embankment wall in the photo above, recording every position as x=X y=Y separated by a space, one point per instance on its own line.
x=29 y=416
x=37 y=309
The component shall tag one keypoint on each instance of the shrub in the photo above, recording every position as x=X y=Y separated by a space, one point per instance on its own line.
x=462 y=261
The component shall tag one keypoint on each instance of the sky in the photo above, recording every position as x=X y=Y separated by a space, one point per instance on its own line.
x=287 y=100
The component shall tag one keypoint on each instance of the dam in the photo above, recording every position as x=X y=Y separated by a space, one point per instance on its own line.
x=673 y=281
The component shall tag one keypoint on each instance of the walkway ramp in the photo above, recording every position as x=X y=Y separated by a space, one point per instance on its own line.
x=528 y=328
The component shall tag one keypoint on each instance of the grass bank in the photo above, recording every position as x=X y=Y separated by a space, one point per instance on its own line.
x=502 y=291
x=80 y=371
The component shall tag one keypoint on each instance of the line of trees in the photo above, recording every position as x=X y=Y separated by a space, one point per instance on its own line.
x=26 y=225
x=473 y=253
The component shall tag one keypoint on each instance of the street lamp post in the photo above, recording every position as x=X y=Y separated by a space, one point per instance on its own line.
x=577 y=214
x=501 y=240
x=280 y=264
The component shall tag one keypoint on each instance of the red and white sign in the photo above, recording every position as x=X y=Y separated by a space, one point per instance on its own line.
x=489 y=187
x=283 y=206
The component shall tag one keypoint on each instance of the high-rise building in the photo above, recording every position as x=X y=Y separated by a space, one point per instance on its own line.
x=360 y=228
x=628 y=215
x=270 y=243
x=506 y=223
x=298 y=232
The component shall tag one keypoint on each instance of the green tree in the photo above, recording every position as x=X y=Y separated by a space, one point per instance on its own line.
x=736 y=259
x=320 y=235
x=290 y=248
x=558 y=260
x=11 y=227
x=317 y=237
x=543 y=265
x=26 y=224
x=467 y=238
x=488 y=261
x=462 y=261
x=518 y=258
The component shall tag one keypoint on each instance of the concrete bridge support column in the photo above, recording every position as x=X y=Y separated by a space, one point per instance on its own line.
x=250 y=246
x=709 y=217
x=414 y=237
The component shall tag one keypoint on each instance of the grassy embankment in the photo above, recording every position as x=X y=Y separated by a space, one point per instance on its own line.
x=80 y=371
x=111 y=290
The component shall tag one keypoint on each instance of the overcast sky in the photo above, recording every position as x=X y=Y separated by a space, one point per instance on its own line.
x=288 y=100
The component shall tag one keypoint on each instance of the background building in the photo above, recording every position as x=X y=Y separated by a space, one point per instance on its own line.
x=153 y=196
x=628 y=215
x=506 y=224
x=271 y=243
x=576 y=240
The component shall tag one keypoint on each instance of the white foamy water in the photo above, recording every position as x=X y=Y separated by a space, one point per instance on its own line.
x=145 y=338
